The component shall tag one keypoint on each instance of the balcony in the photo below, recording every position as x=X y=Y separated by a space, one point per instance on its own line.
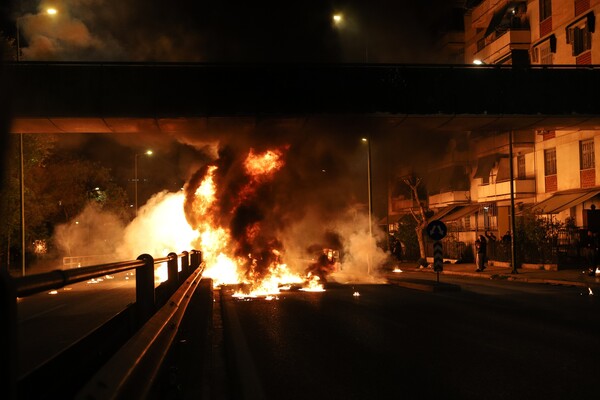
x=497 y=45
x=501 y=190
x=400 y=205
x=448 y=198
x=485 y=7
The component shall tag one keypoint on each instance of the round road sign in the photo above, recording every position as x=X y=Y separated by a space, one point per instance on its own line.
x=437 y=230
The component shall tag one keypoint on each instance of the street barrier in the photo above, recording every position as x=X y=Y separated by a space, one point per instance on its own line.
x=127 y=323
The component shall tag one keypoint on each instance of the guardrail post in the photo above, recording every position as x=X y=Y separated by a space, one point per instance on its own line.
x=185 y=264
x=144 y=289
x=195 y=259
x=8 y=335
x=172 y=273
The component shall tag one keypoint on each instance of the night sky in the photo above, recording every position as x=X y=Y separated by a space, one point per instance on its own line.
x=228 y=31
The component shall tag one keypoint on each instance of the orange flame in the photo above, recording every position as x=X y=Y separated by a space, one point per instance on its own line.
x=216 y=243
x=265 y=164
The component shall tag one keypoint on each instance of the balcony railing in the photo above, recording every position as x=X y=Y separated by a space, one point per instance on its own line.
x=501 y=190
x=502 y=43
x=450 y=197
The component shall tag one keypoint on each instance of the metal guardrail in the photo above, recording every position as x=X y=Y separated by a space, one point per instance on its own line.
x=12 y=288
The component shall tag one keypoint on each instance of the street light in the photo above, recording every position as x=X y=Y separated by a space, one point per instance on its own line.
x=135 y=168
x=49 y=11
x=340 y=22
x=370 y=189
x=338 y=19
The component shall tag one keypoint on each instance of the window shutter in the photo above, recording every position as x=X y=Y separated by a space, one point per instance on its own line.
x=533 y=54
x=570 y=35
x=588 y=39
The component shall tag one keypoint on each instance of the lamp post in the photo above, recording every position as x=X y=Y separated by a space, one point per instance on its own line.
x=135 y=179
x=370 y=189
x=22 y=189
x=49 y=11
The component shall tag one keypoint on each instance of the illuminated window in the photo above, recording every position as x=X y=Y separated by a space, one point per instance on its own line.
x=549 y=162
x=587 y=154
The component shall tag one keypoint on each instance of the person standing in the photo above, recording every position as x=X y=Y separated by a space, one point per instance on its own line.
x=481 y=248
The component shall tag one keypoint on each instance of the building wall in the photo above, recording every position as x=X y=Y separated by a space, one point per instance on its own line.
x=563 y=14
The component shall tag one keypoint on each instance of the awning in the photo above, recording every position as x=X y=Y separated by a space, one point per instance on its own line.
x=503 y=170
x=485 y=165
x=562 y=201
x=502 y=18
x=461 y=212
x=441 y=213
x=496 y=20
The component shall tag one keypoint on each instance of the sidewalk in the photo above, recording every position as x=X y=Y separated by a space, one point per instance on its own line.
x=567 y=277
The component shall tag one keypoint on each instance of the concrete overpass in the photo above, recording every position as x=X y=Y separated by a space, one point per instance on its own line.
x=183 y=98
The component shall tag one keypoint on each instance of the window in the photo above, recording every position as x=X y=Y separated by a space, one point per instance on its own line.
x=579 y=33
x=581 y=39
x=545 y=53
x=550 y=162
x=521 y=167
x=586 y=154
x=545 y=9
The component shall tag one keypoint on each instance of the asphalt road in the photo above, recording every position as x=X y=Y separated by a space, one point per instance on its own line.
x=50 y=322
x=491 y=340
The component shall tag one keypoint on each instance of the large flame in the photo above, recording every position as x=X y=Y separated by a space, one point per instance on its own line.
x=260 y=274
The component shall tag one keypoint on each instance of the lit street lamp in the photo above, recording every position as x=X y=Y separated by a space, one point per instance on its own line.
x=49 y=11
x=135 y=169
x=369 y=186
x=339 y=22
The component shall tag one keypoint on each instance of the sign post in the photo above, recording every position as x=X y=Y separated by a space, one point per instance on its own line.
x=437 y=230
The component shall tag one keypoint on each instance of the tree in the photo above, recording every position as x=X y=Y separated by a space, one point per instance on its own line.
x=421 y=214
x=58 y=186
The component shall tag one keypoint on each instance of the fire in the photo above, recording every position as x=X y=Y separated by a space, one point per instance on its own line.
x=314 y=284
x=265 y=164
x=229 y=258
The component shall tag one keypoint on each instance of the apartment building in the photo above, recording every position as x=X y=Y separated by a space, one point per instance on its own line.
x=555 y=172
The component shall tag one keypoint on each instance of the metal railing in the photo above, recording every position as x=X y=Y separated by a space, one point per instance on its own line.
x=148 y=300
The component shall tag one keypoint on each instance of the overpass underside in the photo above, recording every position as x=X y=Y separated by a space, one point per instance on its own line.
x=194 y=98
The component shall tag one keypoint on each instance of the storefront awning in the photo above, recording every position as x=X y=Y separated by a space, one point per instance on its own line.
x=562 y=201
x=461 y=212
x=441 y=213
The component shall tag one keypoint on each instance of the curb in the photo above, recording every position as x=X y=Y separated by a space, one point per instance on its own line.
x=425 y=285
x=514 y=278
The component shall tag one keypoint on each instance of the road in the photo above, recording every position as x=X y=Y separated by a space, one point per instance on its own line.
x=492 y=340
x=49 y=322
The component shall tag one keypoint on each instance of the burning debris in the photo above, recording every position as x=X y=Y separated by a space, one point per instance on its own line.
x=265 y=218
x=228 y=204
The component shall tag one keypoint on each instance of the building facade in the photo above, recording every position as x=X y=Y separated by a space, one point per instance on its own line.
x=555 y=172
